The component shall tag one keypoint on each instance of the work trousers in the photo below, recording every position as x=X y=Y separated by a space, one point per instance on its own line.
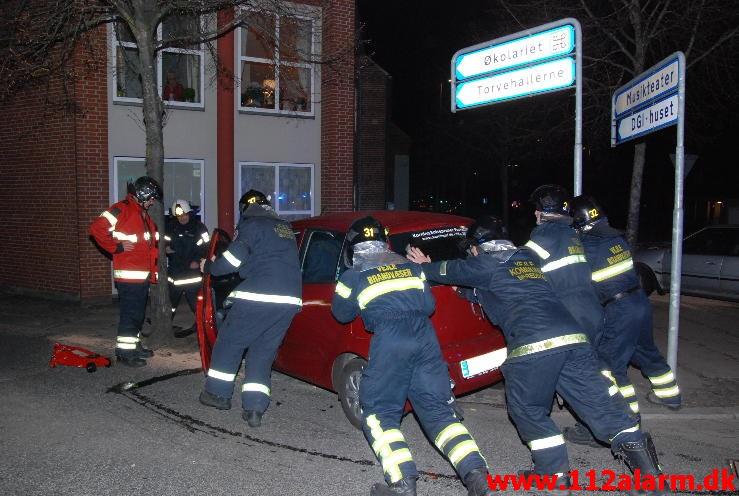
x=624 y=322
x=648 y=357
x=191 y=295
x=576 y=376
x=405 y=362
x=132 y=298
x=256 y=328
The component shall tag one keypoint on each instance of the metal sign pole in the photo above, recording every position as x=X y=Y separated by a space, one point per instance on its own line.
x=644 y=105
x=677 y=225
x=578 y=109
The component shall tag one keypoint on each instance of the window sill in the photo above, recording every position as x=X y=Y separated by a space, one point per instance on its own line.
x=276 y=113
x=167 y=105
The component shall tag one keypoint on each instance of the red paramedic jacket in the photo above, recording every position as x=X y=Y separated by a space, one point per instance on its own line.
x=127 y=220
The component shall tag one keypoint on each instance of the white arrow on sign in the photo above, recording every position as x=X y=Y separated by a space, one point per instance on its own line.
x=658 y=115
x=555 y=42
x=663 y=80
x=549 y=76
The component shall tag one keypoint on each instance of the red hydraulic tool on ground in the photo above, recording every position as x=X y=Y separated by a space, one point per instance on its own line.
x=75 y=356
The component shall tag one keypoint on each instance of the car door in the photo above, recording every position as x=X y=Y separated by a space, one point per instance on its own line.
x=701 y=266
x=309 y=346
x=729 y=282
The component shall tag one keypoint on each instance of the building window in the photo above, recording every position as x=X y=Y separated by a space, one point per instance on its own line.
x=183 y=180
x=180 y=69
x=289 y=185
x=274 y=58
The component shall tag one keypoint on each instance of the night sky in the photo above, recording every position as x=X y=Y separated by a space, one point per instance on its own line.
x=458 y=158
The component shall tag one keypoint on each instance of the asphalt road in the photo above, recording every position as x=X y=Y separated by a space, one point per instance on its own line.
x=122 y=431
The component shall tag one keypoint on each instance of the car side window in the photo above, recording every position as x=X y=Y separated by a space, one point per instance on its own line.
x=321 y=256
x=710 y=242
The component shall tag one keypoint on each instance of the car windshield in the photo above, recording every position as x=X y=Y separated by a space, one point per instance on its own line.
x=440 y=243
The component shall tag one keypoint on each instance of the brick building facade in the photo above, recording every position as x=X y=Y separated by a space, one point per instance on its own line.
x=58 y=170
x=374 y=171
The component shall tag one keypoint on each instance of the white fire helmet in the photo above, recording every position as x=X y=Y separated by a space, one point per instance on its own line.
x=180 y=207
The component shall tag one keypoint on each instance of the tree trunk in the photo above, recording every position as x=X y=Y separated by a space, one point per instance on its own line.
x=632 y=227
x=153 y=111
x=503 y=172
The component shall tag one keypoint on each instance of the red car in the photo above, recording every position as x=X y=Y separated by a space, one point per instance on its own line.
x=321 y=351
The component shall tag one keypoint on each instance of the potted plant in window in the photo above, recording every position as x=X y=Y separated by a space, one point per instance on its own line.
x=188 y=94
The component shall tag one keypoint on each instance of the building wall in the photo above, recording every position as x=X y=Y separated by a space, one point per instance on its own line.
x=189 y=133
x=373 y=118
x=56 y=169
x=281 y=138
x=338 y=109
x=52 y=163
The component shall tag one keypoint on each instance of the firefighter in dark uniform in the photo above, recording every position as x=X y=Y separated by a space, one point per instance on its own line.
x=563 y=262
x=405 y=362
x=548 y=352
x=187 y=244
x=265 y=254
x=627 y=335
x=562 y=258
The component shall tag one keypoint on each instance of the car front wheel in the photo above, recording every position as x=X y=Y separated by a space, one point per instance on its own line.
x=647 y=280
x=348 y=390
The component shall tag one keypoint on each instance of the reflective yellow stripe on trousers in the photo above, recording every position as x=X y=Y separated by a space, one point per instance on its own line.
x=390 y=459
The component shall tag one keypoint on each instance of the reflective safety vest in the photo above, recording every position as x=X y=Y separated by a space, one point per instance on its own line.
x=128 y=221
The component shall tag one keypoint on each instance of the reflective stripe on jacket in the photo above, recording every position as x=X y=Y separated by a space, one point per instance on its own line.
x=128 y=221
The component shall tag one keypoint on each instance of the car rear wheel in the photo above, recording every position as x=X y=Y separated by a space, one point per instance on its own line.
x=348 y=390
x=647 y=280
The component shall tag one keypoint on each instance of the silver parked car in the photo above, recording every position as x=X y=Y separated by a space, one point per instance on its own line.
x=710 y=264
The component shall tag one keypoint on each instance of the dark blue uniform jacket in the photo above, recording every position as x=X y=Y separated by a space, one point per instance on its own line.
x=265 y=254
x=609 y=256
x=190 y=244
x=562 y=256
x=512 y=290
x=382 y=294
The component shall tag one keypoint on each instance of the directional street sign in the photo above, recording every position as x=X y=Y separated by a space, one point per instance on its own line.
x=548 y=44
x=663 y=80
x=658 y=115
x=540 y=78
x=647 y=103
x=531 y=62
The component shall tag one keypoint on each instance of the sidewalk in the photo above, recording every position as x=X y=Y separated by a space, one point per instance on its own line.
x=708 y=353
x=93 y=327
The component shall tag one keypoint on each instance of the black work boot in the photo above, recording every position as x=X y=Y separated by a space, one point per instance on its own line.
x=476 y=482
x=642 y=455
x=210 y=399
x=143 y=352
x=252 y=417
x=579 y=434
x=673 y=403
x=179 y=332
x=404 y=487
x=129 y=359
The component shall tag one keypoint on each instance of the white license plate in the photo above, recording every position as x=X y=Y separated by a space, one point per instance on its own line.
x=483 y=363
